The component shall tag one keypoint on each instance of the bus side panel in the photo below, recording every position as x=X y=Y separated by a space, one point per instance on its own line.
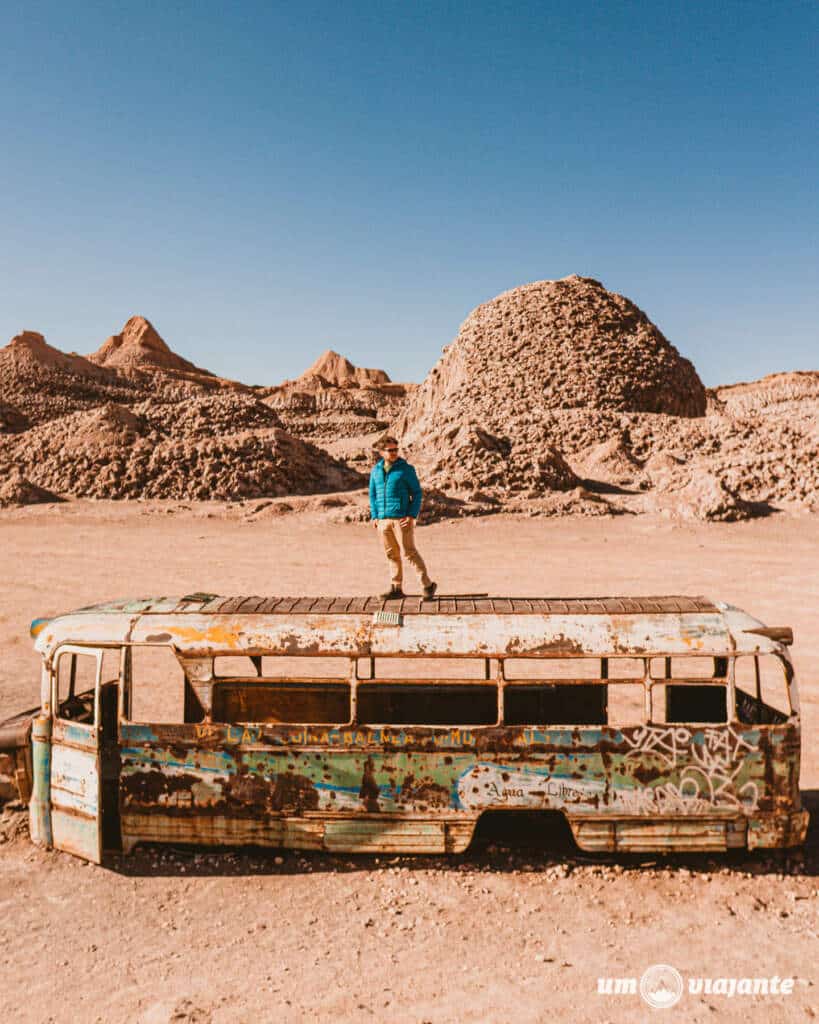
x=239 y=784
x=779 y=820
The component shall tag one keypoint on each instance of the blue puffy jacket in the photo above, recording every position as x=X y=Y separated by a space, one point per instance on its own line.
x=395 y=494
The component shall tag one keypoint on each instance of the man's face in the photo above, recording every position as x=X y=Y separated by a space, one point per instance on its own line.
x=390 y=453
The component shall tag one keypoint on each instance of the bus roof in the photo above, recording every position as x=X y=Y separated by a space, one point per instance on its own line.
x=203 y=625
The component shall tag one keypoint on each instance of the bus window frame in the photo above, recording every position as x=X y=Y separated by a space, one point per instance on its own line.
x=791 y=688
x=602 y=680
x=373 y=679
x=726 y=681
x=87 y=650
x=50 y=683
x=194 y=675
x=215 y=682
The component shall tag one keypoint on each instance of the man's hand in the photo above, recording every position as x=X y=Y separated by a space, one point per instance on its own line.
x=404 y=523
x=375 y=523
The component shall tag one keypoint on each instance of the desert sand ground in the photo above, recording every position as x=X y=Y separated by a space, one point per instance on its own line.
x=496 y=935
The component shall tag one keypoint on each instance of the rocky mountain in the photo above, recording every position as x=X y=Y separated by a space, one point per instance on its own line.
x=486 y=411
x=564 y=375
x=567 y=344
x=137 y=420
x=41 y=382
x=555 y=398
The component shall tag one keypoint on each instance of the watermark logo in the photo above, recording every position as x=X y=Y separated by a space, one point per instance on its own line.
x=661 y=986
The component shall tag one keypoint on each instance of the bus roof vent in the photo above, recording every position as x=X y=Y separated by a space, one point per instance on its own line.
x=382 y=618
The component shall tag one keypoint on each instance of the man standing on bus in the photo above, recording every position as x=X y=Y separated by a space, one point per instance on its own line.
x=395 y=501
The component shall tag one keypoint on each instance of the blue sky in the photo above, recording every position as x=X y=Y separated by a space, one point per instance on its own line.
x=267 y=180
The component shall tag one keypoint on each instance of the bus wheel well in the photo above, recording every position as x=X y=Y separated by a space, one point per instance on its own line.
x=524 y=829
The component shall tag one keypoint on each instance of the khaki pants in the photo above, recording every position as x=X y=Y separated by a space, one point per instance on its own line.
x=391 y=532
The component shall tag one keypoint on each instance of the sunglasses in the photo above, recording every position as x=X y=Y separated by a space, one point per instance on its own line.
x=390 y=449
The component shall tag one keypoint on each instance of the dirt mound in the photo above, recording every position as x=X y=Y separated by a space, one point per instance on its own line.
x=334 y=370
x=576 y=502
x=139 y=422
x=612 y=462
x=15 y=489
x=12 y=421
x=110 y=425
x=208 y=415
x=139 y=346
x=357 y=401
x=702 y=495
x=470 y=460
x=42 y=383
x=765 y=459
x=662 y=466
x=533 y=354
x=554 y=345
x=775 y=393
x=166 y=452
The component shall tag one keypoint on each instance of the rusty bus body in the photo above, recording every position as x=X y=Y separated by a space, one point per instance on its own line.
x=519 y=711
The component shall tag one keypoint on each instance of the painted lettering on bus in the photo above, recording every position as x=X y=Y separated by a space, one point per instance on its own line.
x=306 y=735
x=309 y=736
x=228 y=733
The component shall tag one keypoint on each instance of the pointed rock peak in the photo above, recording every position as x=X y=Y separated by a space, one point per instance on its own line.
x=337 y=371
x=332 y=366
x=138 y=345
x=139 y=331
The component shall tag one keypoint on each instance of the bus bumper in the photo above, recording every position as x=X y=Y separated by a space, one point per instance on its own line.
x=777 y=831
x=671 y=834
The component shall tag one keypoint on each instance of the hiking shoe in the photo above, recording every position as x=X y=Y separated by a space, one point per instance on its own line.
x=429 y=591
x=393 y=592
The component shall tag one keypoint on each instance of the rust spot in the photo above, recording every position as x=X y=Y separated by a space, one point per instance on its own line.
x=559 y=644
x=147 y=787
x=247 y=790
x=294 y=643
x=369 y=787
x=294 y=792
x=644 y=773
x=775 y=792
x=606 y=759
x=424 y=790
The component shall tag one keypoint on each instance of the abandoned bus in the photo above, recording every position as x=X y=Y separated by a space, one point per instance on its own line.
x=362 y=725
